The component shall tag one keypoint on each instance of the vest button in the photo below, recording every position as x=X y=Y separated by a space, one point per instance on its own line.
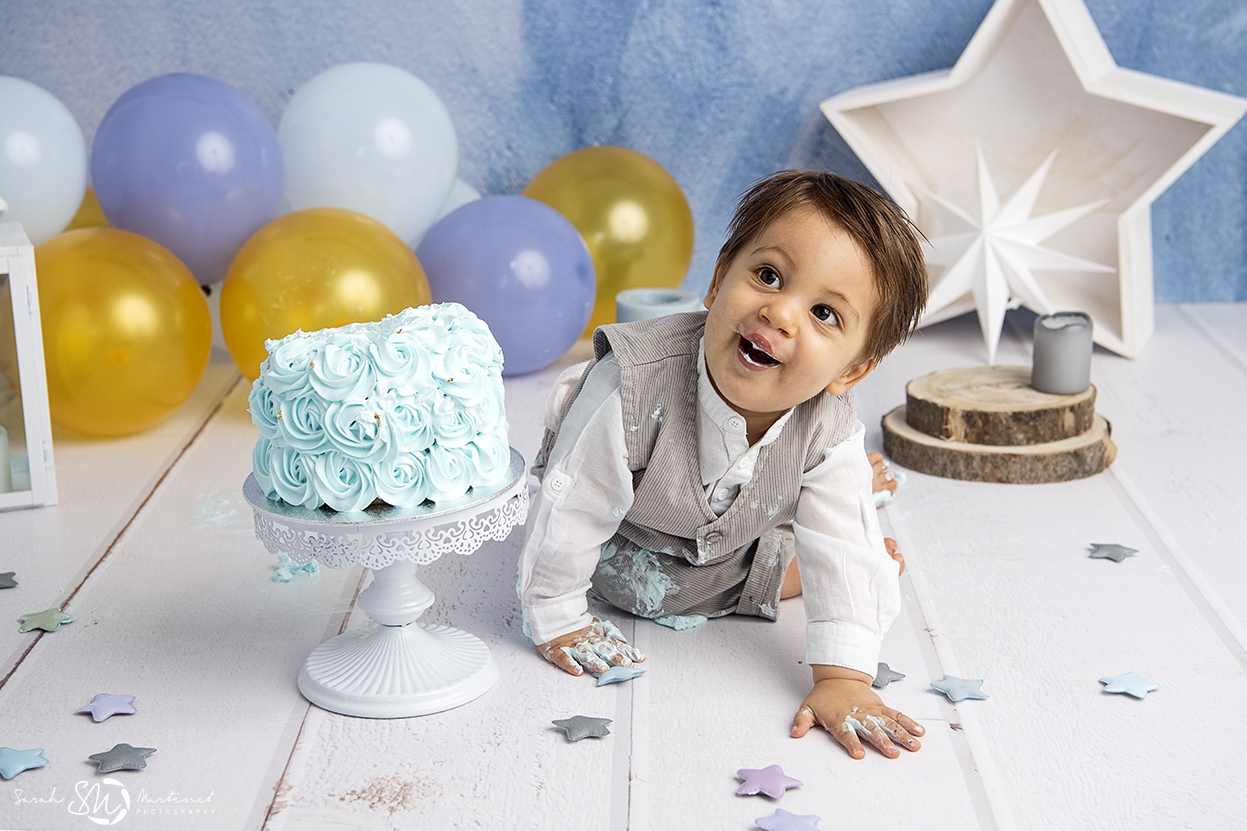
x=714 y=537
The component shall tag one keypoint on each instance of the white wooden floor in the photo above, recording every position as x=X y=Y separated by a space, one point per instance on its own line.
x=151 y=549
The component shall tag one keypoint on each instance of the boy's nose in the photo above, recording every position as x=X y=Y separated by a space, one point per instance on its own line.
x=781 y=313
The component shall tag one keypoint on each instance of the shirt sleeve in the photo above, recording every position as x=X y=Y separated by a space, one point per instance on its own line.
x=586 y=491
x=848 y=580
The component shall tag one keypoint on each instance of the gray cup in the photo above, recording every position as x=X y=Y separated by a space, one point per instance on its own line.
x=1061 y=362
x=642 y=304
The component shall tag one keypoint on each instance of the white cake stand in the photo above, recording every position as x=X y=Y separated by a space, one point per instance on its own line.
x=400 y=667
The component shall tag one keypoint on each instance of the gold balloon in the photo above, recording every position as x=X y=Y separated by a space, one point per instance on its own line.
x=631 y=213
x=126 y=331
x=90 y=214
x=313 y=269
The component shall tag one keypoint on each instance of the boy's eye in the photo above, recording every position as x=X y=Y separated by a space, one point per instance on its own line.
x=825 y=314
x=768 y=276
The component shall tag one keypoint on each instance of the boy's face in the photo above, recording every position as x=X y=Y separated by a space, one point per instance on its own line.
x=789 y=317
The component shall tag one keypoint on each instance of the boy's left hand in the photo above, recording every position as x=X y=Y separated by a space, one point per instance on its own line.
x=843 y=703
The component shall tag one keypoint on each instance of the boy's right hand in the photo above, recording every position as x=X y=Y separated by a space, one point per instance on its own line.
x=596 y=648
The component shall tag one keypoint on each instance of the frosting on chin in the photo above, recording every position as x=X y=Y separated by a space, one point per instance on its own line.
x=403 y=410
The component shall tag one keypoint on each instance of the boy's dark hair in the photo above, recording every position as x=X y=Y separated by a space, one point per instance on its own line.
x=882 y=229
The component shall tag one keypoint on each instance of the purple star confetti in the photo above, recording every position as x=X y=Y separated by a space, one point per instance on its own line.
x=959 y=689
x=104 y=705
x=783 y=820
x=769 y=781
x=1130 y=684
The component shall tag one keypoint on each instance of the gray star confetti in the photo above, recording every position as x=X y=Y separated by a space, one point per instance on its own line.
x=1111 y=551
x=49 y=620
x=885 y=675
x=6 y=579
x=122 y=757
x=1131 y=684
x=583 y=727
x=959 y=689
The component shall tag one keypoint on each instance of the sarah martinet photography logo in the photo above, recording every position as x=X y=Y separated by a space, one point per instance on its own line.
x=107 y=802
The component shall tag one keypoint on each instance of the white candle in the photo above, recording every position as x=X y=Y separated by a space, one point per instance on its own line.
x=1062 y=358
x=6 y=473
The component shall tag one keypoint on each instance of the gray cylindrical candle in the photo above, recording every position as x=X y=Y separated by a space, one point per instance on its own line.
x=1061 y=362
x=642 y=304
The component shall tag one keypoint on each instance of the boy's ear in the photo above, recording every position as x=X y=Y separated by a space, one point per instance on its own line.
x=715 y=281
x=850 y=377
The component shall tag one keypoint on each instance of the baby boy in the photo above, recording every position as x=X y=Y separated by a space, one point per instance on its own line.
x=712 y=463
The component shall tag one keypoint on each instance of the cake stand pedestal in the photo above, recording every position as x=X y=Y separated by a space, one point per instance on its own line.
x=399 y=667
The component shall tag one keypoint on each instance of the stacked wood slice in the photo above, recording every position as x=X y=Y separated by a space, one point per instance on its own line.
x=986 y=424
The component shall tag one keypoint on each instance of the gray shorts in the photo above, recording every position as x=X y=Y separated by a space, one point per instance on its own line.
x=652 y=584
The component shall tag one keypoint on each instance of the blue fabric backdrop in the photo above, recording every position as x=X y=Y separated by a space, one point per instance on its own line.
x=718 y=92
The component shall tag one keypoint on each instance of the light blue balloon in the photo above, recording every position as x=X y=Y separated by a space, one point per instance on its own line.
x=522 y=268
x=371 y=138
x=43 y=159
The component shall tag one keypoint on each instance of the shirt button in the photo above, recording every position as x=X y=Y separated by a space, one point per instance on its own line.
x=558 y=482
x=721 y=493
x=714 y=537
x=736 y=423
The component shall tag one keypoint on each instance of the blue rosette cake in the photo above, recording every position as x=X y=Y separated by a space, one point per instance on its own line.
x=403 y=410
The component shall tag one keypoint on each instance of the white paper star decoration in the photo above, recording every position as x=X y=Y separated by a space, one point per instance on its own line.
x=1036 y=77
x=997 y=262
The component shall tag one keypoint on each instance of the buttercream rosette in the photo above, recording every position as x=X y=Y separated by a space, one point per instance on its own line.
x=403 y=410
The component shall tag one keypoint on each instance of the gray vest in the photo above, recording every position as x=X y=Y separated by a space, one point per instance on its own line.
x=670 y=513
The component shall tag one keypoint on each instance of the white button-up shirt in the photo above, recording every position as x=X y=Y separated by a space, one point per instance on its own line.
x=848 y=580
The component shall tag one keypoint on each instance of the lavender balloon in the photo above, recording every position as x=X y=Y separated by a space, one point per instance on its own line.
x=191 y=163
x=521 y=267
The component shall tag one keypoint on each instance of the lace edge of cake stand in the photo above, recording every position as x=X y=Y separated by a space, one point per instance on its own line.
x=378 y=550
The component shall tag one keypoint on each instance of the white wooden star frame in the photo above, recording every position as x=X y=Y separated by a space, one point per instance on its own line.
x=1035 y=79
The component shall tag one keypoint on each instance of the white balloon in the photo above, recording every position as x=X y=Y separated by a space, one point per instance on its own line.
x=371 y=138
x=43 y=159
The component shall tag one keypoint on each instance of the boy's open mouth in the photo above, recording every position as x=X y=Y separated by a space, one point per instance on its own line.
x=754 y=356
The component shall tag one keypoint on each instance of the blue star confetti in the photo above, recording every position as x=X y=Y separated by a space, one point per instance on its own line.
x=7 y=581
x=1130 y=684
x=616 y=675
x=13 y=762
x=959 y=689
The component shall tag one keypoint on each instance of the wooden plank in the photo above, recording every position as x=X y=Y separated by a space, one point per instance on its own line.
x=1182 y=451
x=184 y=614
x=101 y=483
x=722 y=697
x=1026 y=610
